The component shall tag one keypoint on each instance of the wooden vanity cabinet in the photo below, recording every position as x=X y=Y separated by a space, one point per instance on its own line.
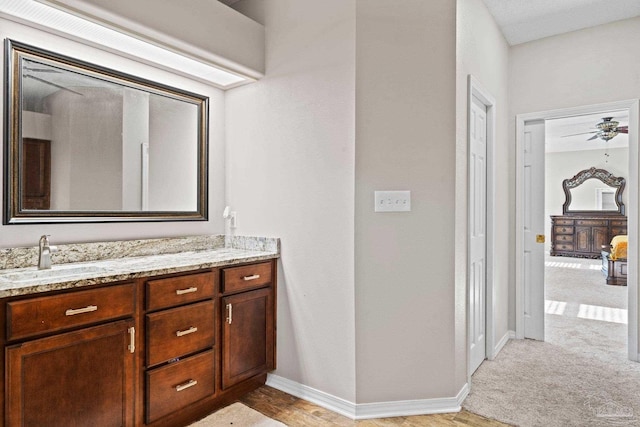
x=70 y=371
x=156 y=352
x=248 y=333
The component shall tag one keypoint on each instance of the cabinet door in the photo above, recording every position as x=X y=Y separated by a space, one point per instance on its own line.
x=583 y=239
x=599 y=237
x=81 y=378
x=248 y=336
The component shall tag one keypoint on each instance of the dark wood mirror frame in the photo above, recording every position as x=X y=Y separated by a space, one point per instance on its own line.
x=592 y=173
x=14 y=213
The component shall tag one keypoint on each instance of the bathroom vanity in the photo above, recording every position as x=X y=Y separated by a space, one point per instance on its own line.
x=137 y=336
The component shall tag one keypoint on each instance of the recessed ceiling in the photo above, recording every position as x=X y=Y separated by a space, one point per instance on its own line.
x=526 y=20
x=560 y=134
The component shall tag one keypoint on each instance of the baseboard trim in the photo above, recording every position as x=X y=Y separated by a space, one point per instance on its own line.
x=369 y=410
x=503 y=341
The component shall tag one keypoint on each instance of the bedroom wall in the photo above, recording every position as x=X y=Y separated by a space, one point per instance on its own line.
x=568 y=71
x=562 y=165
x=28 y=235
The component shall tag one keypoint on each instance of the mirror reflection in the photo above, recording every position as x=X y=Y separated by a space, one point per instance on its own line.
x=92 y=142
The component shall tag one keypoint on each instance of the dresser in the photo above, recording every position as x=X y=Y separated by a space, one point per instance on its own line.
x=583 y=236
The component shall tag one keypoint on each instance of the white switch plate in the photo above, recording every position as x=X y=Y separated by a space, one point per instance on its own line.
x=392 y=201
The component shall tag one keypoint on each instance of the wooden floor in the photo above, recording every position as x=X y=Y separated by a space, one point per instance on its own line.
x=297 y=412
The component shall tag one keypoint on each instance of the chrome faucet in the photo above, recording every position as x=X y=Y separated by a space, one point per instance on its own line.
x=44 y=256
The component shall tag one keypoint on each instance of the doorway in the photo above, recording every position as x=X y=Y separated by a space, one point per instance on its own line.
x=530 y=219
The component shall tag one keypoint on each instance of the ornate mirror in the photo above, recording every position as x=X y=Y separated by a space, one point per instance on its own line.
x=84 y=143
x=593 y=191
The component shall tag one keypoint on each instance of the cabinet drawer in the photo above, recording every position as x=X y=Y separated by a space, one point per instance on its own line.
x=246 y=277
x=619 y=223
x=563 y=247
x=173 y=291
x=564 y=238
x=179 y=331
x=563 y=222
x=592 y=222
x=616 y=231
x=179 y=384
x=563 y=230
x=41 y=315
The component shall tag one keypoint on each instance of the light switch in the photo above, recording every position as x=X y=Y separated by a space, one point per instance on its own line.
x=392 y=201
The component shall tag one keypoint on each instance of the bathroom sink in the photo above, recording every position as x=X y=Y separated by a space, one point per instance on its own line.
x=29 y=274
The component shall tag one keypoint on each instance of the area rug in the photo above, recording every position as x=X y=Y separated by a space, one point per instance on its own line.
x=237 y=415
x=581 y=375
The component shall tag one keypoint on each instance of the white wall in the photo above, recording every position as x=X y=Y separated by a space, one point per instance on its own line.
x=568 y=71
x=564 y=165
x=27 y=235
x=482 y=52
x=290 y=174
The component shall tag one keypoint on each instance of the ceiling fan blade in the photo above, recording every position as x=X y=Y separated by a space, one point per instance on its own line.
x=593 y=137
x=623 y=129
x=582 y=133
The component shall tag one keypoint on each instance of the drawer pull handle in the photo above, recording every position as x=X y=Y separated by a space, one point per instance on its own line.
x=252 y=277
x=230 y=311
x=87 y=309
x=186 y=291
x=186 y=385
x=186 y=332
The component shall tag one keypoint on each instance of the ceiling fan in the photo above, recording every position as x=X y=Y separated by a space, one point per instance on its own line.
x=607 y=129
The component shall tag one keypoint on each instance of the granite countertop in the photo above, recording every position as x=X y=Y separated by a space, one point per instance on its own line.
x=126 y=260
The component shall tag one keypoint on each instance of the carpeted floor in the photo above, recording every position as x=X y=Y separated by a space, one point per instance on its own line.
x=580 y=376
x=237 y=415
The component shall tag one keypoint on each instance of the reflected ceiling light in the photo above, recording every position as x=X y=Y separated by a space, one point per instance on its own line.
x=59 y=22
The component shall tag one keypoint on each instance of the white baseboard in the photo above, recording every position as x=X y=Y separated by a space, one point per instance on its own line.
x=503 y=341
x=369 y=410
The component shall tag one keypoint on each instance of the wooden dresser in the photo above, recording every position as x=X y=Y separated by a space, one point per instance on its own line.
x=584 y=236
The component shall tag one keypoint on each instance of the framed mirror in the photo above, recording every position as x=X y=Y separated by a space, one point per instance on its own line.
x=593 y=191
x=84 y=143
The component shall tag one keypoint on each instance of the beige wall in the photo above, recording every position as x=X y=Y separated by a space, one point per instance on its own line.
x=482 y=52
x=27 y=235
x=290 y=173
x=569 y=71
x=405 y=98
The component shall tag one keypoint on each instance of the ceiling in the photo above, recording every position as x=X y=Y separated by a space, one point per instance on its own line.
x=556 y=131
x=526 y=20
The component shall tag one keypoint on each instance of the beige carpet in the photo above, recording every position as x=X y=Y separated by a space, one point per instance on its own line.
x=580 y=376
x=237 y=415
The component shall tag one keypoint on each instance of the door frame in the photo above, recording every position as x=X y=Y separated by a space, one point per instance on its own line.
x=475 y=88
x=633 y=105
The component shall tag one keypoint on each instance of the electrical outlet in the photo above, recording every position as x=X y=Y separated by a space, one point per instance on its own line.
x=392 y=201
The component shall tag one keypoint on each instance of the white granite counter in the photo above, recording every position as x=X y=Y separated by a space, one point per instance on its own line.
x=104 y=262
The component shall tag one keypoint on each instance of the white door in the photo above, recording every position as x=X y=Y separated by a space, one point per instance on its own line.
x=477 y=232
x=533 y=222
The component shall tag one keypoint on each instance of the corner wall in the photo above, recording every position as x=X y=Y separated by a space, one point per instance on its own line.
x=290 y=173
x=483 y=52
x=405 y=288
